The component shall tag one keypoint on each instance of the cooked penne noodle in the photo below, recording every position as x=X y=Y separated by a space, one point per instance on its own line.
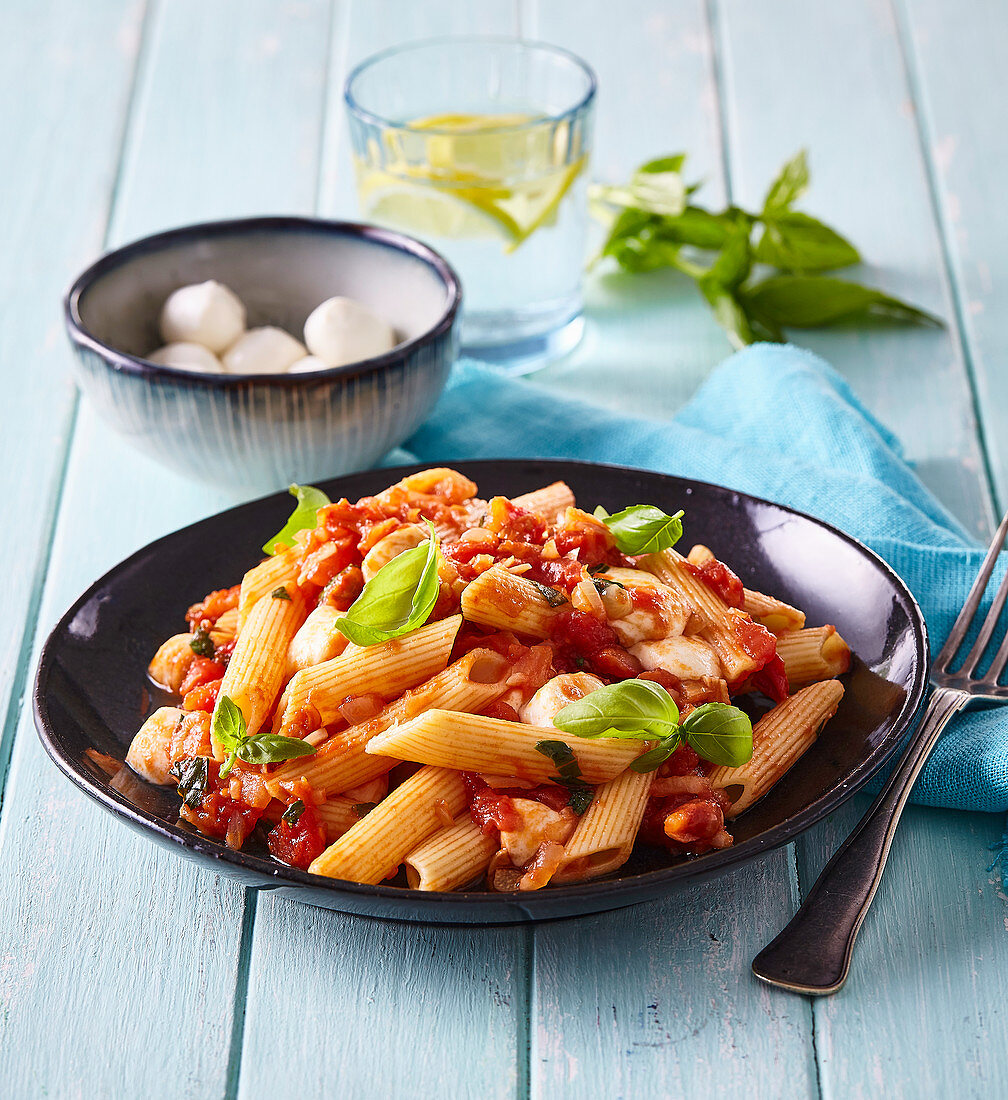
x=387 y=670
x=281 y=570
x=501 y=600
x=779 y=739
x=255 y=672
x=720 y=624
x=338 y=815
x=772 y=613
x=605 y=834
x=452 y=857
x=372 y=850
x=473 y=743
x=549 y=501
x=818 y=653
x=469 y=684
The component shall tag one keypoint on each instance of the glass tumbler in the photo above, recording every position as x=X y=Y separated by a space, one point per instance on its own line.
x=480 y=146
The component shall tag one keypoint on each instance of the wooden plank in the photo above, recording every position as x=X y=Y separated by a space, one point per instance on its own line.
x=954 y=62
x=922 y=1013
x=835 y=83
x=656 y=999
x=657 y=94
x=376 y=1008
x=74 y=65
x=383 y=1009
x=145 y=1002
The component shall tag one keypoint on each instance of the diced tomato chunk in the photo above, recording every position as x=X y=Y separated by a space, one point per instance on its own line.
x=202 y=671
x=615 y=663
x=203 y=697
x=301 y=843
x=584 y=633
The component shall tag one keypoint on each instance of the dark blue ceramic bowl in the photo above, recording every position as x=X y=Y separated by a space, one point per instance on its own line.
x=265 y=431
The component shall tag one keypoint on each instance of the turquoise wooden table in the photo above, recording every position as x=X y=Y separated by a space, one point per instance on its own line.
x=125 y=972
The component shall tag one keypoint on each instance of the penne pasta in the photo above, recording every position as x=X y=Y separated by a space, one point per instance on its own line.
x=605 y=834
x=372 y=850
x=342 y=762
x=537 y=613
x=549 y=502
x=255 y=672
x=818 y=653
x=451 y=858
x=471 y=742
x=501 y=600
x=338 y=815
x=779 y=739
x=386 y=670
x=281 y=570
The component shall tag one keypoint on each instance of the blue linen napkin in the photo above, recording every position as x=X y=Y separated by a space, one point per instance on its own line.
x=776 y=422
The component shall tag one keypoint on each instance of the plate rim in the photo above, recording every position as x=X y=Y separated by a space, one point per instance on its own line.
x=236 y=862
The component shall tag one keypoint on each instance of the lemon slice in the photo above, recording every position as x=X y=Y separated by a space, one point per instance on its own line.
x=470 y=176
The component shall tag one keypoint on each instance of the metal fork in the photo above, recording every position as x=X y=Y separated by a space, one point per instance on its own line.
x=813 y=953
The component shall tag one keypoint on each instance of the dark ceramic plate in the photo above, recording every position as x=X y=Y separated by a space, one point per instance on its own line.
x=91 y=688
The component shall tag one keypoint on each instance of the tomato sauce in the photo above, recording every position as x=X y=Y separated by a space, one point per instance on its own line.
x=718 y=577
x=202 y=697
x=202 y=670
x=218 y=814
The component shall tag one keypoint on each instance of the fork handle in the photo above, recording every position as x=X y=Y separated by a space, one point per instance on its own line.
x=813 y=953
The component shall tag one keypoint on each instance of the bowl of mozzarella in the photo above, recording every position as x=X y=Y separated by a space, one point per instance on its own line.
x=261 y=351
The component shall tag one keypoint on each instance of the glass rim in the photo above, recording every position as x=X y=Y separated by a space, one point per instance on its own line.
x=355 y=107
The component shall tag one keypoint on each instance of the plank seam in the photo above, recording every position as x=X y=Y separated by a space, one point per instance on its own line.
x=719 y=46
x=923 y=129
x=810 y=1002
x=523 y=1012
x=325 y=113
x=232 y=1077
x=22 y=670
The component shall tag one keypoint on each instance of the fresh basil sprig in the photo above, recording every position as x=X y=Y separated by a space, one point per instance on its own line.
x=229 y=728
x=655 y=223
x=642 y=528
x=639 y=709
x=397 y=599
x=643 y=710
x=202 y=644
x=303 y=518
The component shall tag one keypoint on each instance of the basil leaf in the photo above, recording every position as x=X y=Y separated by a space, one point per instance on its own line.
x=654 y=758
x=594 y=570
x=551 y=595
x=734 y=262
x=581 y=798
x=789 y=186
x=642 y=528
x=292 y=815
x=280 y=593
x=795 y=242
x=672 y=163
x=636 y=243
x=719 y=733
x=563 y=757
x=192 y=779
x=602 y=585
x=805 y=301
x=303 y=518
x=202 y=644
x=271 y=748
x=636 y=709
x=729 y=313
x=228 y=723
x=397 y=599
x=654 y=189
x=704 y=229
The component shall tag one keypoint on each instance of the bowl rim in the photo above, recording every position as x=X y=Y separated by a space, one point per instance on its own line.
x=539 y=905
x=355 y=107
x=126 y=363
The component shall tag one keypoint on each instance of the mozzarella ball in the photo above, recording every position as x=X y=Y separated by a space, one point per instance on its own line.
x=308 y=363
x=186 y=356
x=341 y=331
x=265 y=350
x=204 y=313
